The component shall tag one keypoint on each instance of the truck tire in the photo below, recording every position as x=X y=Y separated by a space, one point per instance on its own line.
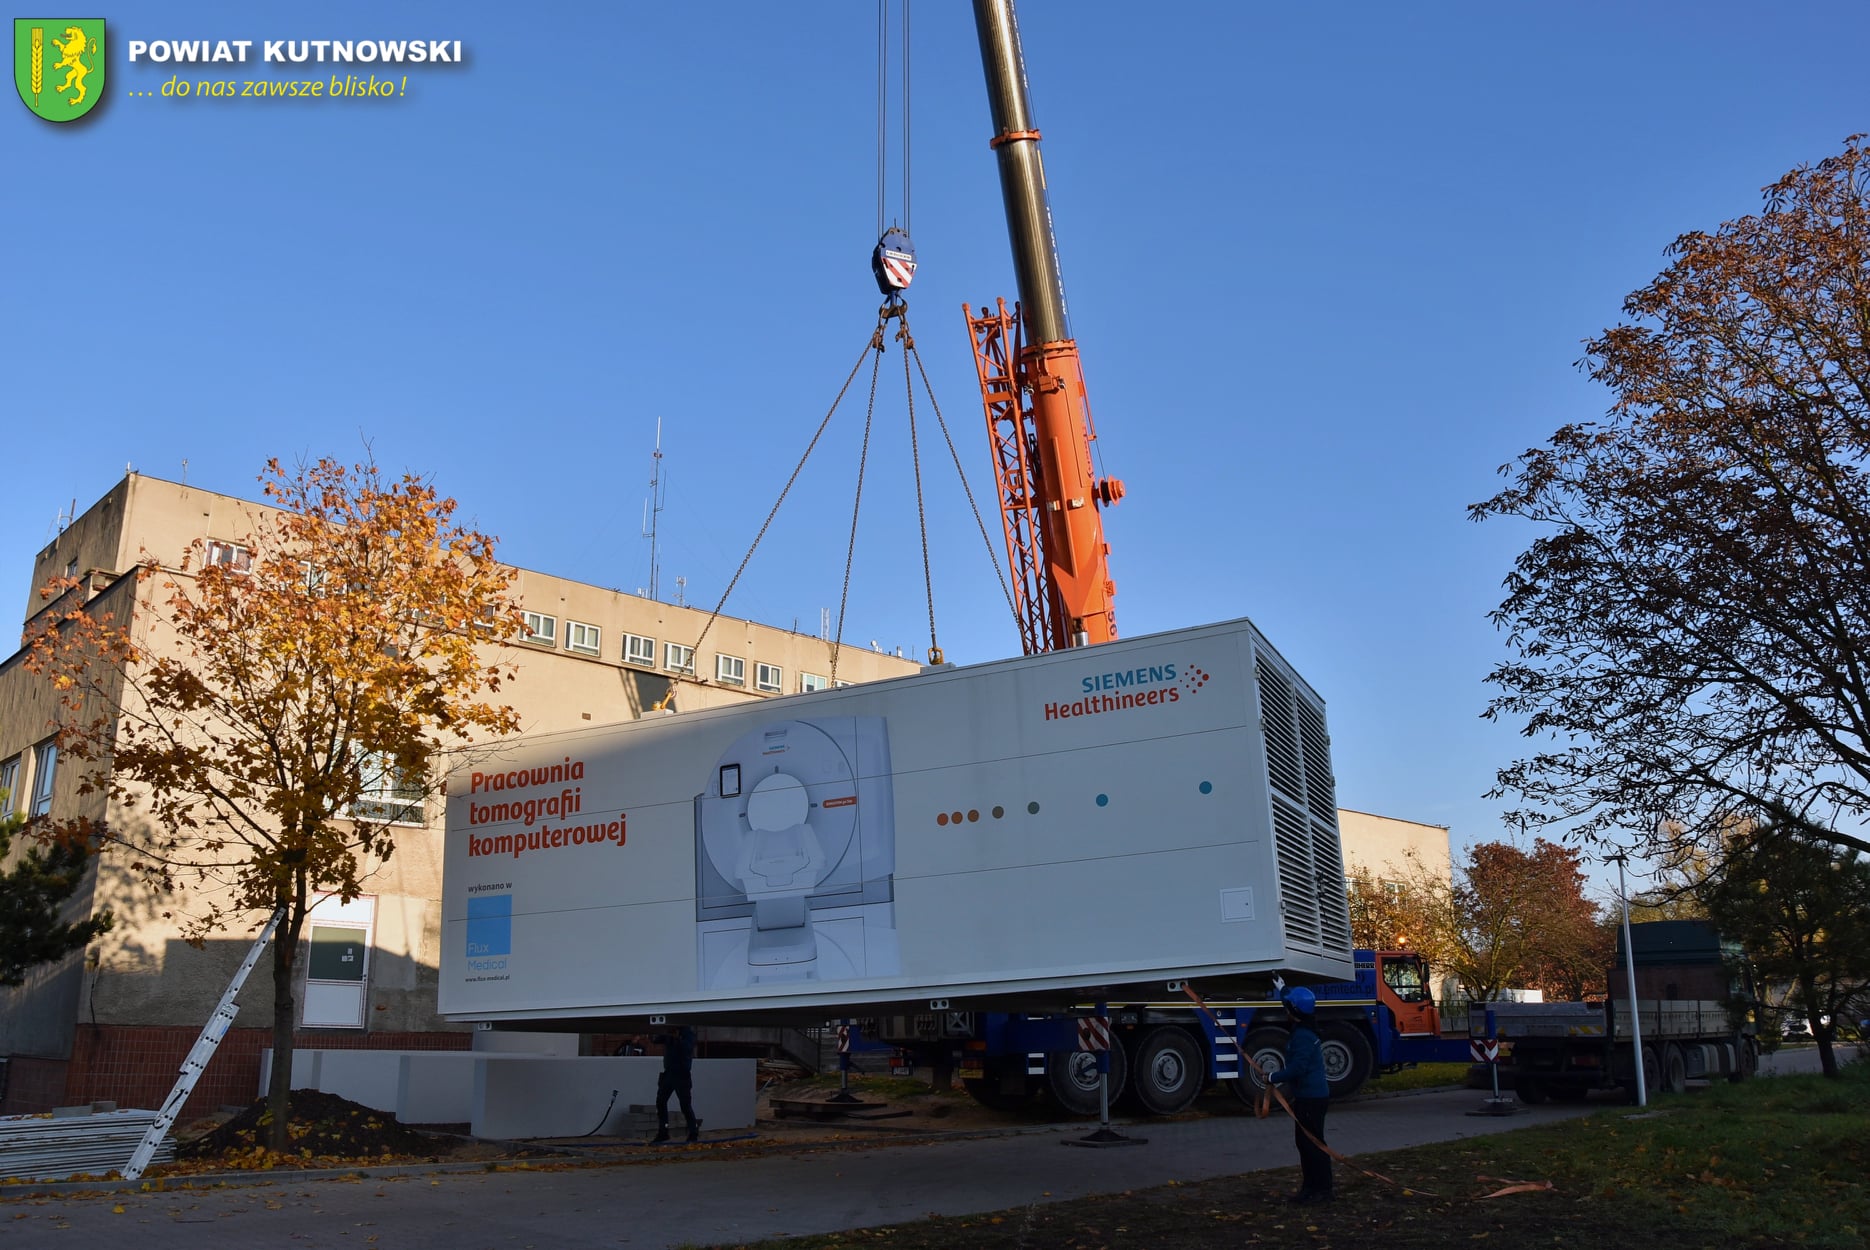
x=1348 y=1057
x=1674 y=1070
x=1531 y=1089
x=1071 y=1076
x=1168 y=1072
x=1652 y=1071
x=1746 y=1060
x=1267 y=1048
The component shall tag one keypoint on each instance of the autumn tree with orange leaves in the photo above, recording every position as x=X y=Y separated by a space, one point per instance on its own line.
x=266 y=714
x=1508 y=918
x=1691 y=627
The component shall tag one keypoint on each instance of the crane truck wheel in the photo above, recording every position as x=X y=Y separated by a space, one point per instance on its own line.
x=1169 y=1071
x=1267 y=1048
x=1348 y=1057
x=1072 y=1078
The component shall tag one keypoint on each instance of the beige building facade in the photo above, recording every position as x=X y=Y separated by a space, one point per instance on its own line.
x=115 y=1021
x=1383 y=846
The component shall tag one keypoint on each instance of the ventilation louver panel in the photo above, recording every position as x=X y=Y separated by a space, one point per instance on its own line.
x=1282 y=735
x=1298 y=888
x=1334 y=912
x=1315 y=745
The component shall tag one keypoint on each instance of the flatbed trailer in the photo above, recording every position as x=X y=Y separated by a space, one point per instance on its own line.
x=1692 y=1015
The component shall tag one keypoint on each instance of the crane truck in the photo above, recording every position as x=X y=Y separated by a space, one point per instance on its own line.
x=981 y=860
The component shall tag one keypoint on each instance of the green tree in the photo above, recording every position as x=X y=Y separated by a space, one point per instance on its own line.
x=1802 y=911
x=275 y=709
x=1690 y=626
x=32 y=892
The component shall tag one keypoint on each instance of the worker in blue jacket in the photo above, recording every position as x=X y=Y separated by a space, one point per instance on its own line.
x=1309 y=1093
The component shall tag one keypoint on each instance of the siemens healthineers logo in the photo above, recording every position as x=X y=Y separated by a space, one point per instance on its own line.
x=1122 y=690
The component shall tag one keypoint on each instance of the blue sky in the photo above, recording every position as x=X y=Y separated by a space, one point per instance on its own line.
x=1328 y=266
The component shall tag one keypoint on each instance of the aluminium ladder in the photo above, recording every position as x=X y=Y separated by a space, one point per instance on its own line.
x=197 y=1061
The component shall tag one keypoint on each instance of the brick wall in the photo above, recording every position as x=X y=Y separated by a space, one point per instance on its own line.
x=136 y=1065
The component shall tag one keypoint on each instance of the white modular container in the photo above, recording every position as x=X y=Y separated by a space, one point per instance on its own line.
x=1153 y=809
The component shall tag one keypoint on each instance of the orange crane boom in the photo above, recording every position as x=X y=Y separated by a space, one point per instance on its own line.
x=1032 y=388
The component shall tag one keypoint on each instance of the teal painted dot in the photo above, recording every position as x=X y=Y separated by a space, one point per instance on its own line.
x=1032 y=809
x=1207 y=787
x=1103 y=800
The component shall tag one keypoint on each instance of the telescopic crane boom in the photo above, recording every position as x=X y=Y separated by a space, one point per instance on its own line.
x=1032 y=388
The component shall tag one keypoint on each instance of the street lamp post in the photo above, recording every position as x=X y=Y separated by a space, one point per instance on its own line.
x=1629 y=966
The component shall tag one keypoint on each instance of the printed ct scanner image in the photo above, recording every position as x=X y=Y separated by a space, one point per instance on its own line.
x=795 y=851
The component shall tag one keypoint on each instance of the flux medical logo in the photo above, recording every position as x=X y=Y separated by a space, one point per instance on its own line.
x=489 y=933
x=1123 y=690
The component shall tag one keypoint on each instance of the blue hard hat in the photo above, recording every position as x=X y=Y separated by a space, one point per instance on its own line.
x=1300 y=1000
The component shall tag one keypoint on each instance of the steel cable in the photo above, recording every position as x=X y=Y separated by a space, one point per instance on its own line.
x=968 y=490
x=863 y=457
x=875 y=344
x=915 y=459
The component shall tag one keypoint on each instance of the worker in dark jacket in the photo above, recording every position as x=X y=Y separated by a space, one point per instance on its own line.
x=677 y=1078
x=1310 y=1094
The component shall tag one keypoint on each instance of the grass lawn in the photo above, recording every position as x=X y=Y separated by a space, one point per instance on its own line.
x=1421 y=1076
x=1779 y=1162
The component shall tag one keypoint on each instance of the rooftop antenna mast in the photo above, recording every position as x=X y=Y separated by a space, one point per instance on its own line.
x=652 y=512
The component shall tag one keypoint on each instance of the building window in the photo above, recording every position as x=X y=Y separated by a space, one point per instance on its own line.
x=767 y=677
x=588 y=639
x=731 y=669
x=639 y=650
x=809 y=682
x=44 y=766
x=231 y=556
x=9 y=783
x=541 y=628
x=388 y=794
x=677 y=658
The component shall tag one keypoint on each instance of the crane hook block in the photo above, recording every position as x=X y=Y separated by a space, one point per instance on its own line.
x=894 y=262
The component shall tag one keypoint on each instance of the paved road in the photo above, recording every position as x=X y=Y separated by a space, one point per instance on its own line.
x=696 y=1200
x=1790 y=1059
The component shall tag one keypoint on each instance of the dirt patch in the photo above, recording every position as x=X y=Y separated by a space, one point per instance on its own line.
x=324 y=1129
